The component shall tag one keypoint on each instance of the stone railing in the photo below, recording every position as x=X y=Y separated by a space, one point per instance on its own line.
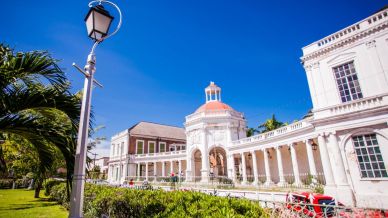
x=195 y=116
x=347 y=33
x=161 y=154
x=353 y=106
x=275 y=133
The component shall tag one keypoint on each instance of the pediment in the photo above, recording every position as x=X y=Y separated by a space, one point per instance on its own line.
x=342 y=58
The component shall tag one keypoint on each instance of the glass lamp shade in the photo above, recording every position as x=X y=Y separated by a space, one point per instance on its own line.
x=98 y=21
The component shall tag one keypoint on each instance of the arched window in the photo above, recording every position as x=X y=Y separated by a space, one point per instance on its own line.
x=370 y=159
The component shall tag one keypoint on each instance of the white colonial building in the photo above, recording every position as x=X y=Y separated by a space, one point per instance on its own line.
x=344 y=144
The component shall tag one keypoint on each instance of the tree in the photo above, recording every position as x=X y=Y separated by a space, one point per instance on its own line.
x=270 y=124
x=251 y=132
x=36 y=105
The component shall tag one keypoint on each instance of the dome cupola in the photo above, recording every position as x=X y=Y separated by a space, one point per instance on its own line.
x=213 y=100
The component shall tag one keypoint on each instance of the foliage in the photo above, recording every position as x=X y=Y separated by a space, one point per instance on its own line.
x=124 y=202
x=251 y=132
x=6 y=183
x=38 y=107
x=270 y=124
x=48 y=184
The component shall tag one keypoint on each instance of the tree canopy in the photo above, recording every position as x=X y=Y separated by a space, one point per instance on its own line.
x=37 y=106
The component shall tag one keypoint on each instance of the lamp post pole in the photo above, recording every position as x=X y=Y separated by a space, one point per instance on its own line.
x=77 y=192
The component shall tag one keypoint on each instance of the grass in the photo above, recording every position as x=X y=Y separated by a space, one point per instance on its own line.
x=21 y=203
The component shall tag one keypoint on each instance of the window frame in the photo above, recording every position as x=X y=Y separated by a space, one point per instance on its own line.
x=347 y=82
x=137 y=142
x=149 y=142
x=370 y=162
x=165 y=146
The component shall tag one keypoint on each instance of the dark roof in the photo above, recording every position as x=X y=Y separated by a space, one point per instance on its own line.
x=157 y=130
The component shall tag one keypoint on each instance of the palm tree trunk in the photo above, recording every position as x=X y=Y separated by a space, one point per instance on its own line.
x=38 y=187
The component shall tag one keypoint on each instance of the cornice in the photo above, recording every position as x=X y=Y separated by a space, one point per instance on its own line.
x=345 y=42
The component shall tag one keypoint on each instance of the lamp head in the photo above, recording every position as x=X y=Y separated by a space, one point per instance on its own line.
x=98 y=21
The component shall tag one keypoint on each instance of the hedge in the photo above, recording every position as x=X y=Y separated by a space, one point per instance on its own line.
x=19 y=183
x=49 y=183
x=124 y=202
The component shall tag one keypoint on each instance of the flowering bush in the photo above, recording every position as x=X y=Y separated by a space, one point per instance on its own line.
x=123 y=202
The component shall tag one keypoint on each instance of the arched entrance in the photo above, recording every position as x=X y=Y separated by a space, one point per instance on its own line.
x=197 y=165
x=218 y=163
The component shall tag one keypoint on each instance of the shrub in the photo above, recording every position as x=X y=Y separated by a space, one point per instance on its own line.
x=123 y=202
x=58 y=193
x=48 y=184
x=21 y=183
x=6 y=183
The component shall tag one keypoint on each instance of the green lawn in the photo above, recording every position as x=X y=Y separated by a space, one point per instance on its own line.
x=21 y=203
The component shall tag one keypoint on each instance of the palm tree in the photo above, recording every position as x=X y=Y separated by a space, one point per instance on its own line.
x=270 y=124
x=36 y=105
x=251 y=132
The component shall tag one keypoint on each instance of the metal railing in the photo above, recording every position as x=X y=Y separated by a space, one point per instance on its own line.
x=303 y=209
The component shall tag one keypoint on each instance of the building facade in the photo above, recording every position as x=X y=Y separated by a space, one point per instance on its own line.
x=144 y=140
x=343 y=145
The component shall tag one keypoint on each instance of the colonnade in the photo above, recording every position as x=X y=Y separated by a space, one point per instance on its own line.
x=266 y=153
x=164 y=172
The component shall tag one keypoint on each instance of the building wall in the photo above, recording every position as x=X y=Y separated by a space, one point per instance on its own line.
x=133 y=139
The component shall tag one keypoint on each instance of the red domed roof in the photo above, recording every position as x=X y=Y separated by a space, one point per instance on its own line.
x=213 y=106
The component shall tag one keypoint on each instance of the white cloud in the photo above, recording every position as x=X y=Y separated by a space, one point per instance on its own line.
x=102 y=149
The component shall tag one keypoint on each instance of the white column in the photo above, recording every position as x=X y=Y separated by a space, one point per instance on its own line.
x=310 y=157
x=326 y=165
x=179 y=169
x=138 y=171
x=267 y=169
x=171 y=167
x=188 y=174
x=282 y=181
x=232 y=169
x=295 y=166
x=146 y=171
x=163 y=169
x=335 y=155
x=343 y=190
x=125 y=170
x=205 y=158
x=179 y=166
x=255 y=171
x=244 y=169
x=155 y=174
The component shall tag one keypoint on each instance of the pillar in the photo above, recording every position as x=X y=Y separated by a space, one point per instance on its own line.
x=335 y=156
x=232 y=169
x=255 y=171
x=310 y=157
x=282 y=181
x=138 y=171
x=146 y=171
x=179 y=170
x=171 y=167
x=179 y=167
x=295 y=166
x=205 y=158
x=125 y=170
x=268 y=180
x=244 y=169
x=155 y=175
x=163 y=169
x=326 y=164
x=346 y=194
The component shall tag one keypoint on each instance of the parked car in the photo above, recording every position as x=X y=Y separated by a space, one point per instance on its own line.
x=319 y=205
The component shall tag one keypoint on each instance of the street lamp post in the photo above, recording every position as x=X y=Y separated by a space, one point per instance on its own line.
x=98 y=21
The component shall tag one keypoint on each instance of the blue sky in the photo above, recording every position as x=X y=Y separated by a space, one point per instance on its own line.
x=166 y=53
